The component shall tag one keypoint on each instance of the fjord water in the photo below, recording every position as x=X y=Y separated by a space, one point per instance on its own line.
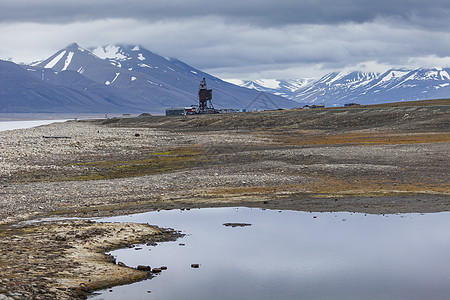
x=10 y=125
x=292 y=255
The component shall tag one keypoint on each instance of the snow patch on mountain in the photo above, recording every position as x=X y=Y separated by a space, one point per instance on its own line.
x=268 y=83
x=55 y=60
x=117 y=75
x=444 y=75
x=233 y=81
x=145 y=66
x=109 y=51
x=336 y=77
x=68 y=60
x=442 y=85
x=296 y=84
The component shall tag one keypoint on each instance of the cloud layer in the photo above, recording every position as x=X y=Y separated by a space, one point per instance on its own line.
x=240 y=39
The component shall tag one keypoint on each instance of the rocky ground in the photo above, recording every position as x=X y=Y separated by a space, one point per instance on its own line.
x=379 y=159
x=65 y=259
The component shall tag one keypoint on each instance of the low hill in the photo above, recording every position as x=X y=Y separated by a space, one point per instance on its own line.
x=430 y=115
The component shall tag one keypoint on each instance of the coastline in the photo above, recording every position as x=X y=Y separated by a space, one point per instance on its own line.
x=368 y=160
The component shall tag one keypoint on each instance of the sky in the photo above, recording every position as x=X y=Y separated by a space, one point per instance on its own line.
x=251 y=39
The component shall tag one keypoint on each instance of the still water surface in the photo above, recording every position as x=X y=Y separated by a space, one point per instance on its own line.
x=292 y=255
x=10 y=125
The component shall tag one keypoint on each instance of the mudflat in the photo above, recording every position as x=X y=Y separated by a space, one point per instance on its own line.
x=377 y=159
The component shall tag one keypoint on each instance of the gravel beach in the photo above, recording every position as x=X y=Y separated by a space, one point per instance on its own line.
x=368 y=159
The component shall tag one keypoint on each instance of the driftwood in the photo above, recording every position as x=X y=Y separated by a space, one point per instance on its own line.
x=56 y=137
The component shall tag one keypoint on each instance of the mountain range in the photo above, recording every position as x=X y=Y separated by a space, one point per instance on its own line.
x=339 y=88
x=132 y=79
x=116 y=79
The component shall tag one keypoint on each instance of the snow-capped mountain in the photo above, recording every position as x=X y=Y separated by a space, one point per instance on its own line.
x=284 y=88
x=123 y=78
x=338 y=88
x=23 y=91
x=139 y=79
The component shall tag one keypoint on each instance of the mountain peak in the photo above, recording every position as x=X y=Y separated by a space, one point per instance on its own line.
x=74 y=46
x=136 y=48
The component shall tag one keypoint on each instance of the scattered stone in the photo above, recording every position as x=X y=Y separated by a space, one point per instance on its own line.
x=121 y=264
x=156 y=270
x=195 y=266
x=163 y=268
x=84 y=287
x=144 y=268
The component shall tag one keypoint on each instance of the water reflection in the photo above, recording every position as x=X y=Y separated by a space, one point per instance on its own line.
x=292 y=255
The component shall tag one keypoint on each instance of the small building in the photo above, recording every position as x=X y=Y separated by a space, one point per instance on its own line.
x=229 y=110
x=351 y=104
x=181 y=111
x=175 y=111
x=190 y=110
x=314 y=106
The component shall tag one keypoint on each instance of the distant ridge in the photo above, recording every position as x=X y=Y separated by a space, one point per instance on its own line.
x=338 y=88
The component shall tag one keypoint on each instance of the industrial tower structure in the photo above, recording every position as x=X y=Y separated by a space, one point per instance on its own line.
x=205 y=105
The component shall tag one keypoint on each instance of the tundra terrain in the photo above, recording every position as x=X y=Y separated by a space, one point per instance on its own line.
x=372 y=159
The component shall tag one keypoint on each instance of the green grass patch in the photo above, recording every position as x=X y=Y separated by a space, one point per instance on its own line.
x=153 y=163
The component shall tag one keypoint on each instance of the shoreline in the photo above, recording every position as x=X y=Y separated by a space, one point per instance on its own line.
x=368 y=160
x=66 y=259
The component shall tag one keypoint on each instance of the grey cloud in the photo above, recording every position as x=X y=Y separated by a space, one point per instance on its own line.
x=256 y=12
x=238 y=39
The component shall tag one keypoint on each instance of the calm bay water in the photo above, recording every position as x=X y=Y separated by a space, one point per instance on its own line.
x=292 y=255
x=10 y=125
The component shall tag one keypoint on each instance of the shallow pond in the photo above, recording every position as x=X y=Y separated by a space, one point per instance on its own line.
x=292 y=255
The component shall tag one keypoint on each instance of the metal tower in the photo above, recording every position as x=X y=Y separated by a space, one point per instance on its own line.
x=205 y=105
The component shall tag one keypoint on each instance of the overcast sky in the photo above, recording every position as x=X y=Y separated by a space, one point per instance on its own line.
x=245 y=39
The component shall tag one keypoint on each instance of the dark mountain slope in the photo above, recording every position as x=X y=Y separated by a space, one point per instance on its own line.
x=20 y=91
